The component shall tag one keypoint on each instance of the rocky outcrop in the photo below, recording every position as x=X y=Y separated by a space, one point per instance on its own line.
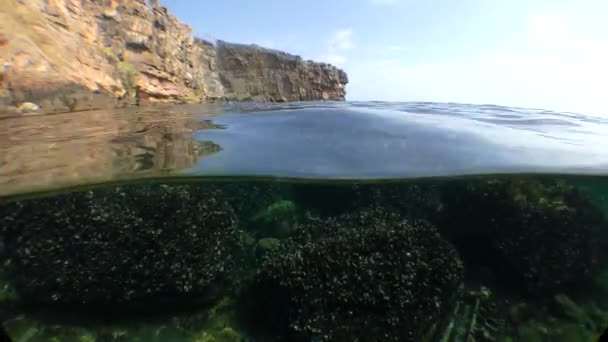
x=65 y=55
x=255 y=73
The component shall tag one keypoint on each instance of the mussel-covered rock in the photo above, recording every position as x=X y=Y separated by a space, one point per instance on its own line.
x=119 y=244
x=540 y=235
x=369 y=274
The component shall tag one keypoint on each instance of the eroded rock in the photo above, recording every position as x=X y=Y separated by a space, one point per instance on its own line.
x=67 y=55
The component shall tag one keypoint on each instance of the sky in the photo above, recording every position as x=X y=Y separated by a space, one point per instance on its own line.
x=549 y=54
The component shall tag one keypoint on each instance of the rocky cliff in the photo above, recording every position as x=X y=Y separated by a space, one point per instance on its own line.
x=256 y=73
x=65 y=55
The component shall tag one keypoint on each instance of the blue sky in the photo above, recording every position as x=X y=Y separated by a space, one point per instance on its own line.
x=550 y=54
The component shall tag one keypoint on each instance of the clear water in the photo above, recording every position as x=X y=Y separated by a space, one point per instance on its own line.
x=305 y=221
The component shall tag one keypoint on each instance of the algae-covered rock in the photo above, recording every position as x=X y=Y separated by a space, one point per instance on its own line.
x=529 y=333
x=214 y=325
x=542 y=235
x=277 y=211
x=560 y=320
x=229 y=335
x=225 y=335
x=120 y=244
x=571 y=332
x=219 y=323
x=598 y=316
x=276 y=220
x=249 y=199
x=567 y=308
x=368 y=274
x=266 y=245
x=7 y=291
x=27 y=330
x=519 y=313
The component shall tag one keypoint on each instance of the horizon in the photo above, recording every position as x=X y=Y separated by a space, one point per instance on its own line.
x=530 y=54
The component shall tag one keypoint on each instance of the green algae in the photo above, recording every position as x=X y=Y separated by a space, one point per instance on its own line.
x=266 y=245
x=7 y=292
x=276 y=211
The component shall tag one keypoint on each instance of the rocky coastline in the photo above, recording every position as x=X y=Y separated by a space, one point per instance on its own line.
x=68 y=55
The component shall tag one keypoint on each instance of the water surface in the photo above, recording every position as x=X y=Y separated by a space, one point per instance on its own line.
x=300 y=140
x=304 y=222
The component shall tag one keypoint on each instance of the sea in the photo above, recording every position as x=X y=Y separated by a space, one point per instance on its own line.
x=312 y=221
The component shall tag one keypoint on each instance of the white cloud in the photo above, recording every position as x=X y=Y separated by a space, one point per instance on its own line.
x=334 y=59
x=338 y=44
x=341 y=40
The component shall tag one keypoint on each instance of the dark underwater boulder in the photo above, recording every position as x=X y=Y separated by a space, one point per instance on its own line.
x=540 y=235
x=369 y=275
x=119 y=244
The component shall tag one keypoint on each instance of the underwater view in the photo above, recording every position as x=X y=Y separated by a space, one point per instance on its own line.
x=358 y=221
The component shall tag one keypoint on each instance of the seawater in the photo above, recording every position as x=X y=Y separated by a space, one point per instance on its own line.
x=304 y=222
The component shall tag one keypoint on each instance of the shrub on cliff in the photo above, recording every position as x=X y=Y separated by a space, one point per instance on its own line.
x=368 y=274
x=541 y=235
x=119 y=244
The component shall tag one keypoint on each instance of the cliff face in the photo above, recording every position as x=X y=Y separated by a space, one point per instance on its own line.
x=79 y=54
x=256 y=73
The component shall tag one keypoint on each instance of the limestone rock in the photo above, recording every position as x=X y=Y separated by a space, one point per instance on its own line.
x=67 y=55
x=255 y=73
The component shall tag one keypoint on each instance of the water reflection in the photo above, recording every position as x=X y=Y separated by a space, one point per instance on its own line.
x=45 y=152
x=314 y=140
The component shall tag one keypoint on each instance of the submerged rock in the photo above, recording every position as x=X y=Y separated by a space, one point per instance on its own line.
x=277 y=220
x=266 y=245
x=541 y=236
x=275 y=212
x=570 y=309
x=119 y=244
x=250 y=199
x=368 y=274
x=4 y=335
